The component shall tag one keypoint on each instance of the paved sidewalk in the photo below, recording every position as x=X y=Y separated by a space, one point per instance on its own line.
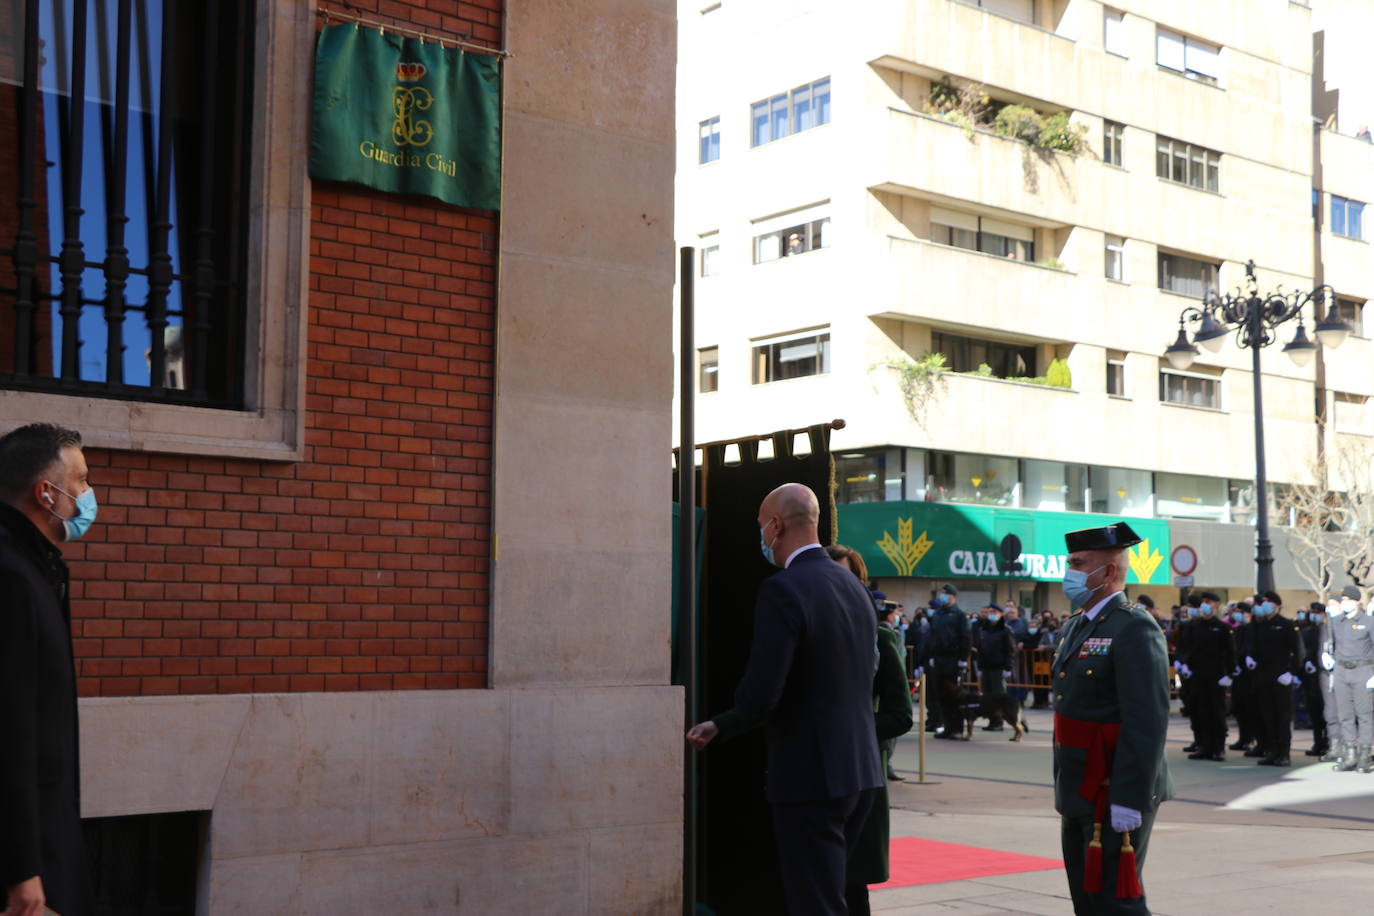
x=1241 y=840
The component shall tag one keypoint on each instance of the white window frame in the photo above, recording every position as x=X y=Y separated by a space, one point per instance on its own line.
x=769 y=226
x=1116 y=360
x=703 y=372
x=1114 y=31
x=788 y=101
x=1345 y=203
x=1214 y=379
x=1190 y=57
x=1117 y=244
x=761 y=343
x=1343 y=425
x=1358 y=321
x=272 y=424
x=712 y=125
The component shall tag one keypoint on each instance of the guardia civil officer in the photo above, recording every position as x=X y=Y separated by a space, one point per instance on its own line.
x=1111 y=713
x=1209 y=660
x=1243 y=705
x=1182 y=634
x=1352 y=646
x=1311 y=629
x=1275 y=660
x=1335 y=741
x=950 y=642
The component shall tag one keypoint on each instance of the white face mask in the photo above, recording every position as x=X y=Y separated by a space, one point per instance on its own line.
x=1350 y=606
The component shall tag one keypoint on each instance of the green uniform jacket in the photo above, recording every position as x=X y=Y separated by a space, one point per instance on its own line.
x=892 y=718
x=1114 y=668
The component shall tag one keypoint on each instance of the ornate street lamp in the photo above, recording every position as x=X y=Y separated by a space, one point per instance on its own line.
x=1255 y=320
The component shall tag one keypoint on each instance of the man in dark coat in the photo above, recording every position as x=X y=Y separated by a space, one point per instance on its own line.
x=1310 y=628
x=949 y=646
x=1111 y=715
x=1208 y=660
x=809 y=680
x=1275 y=659
x=996 y=655
x=45 y=498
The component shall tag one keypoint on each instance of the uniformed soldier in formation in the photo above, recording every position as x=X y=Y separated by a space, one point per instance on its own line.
x=1243 y=705
x=950 y=642
x=1183 y=630
x=1275 y=660
x=1311 y=629
x=1352 y=647
x=1326 y=675
x=1208 y=660
x=1111 y=714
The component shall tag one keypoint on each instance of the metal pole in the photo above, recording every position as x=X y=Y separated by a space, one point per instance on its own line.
x=687 y=566
x=1264 y=551
x=921 y=730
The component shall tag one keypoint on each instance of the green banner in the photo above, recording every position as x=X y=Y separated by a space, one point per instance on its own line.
x=407 y=116
x=948 y=540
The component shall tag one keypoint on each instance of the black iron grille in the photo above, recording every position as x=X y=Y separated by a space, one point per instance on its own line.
x=125 y=127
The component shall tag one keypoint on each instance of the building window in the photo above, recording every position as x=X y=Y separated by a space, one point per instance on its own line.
x=962 y=478
x=1020 y=10
x=1186 y=276
x=979 y=233
x=790 y=112
x=1191 y=496
x=1352 y=413
x=967 y=354
x=792 y=356
x=1185 y=163
x=1194 y=59
x=142 y=298
x=709 y=132
x=710 y=258
x=869 y=477
x=1191 y=390
x=1112 y=133
x=1115 y=266
x=1053 y=485
x=1116 y=373
x=708 y=369
x=1121 y=491
x=791 y=241
x=1114 y=32
x=1353 y=312
x=1347 y=217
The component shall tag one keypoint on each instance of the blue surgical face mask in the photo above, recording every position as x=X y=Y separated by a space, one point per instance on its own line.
x=1302 y=615
x=1076 y=586
x=80 y=523
x=766 y=548
x=945 y=598
x=994 y=617
x=1238 y=616
x=1194 y=611
x=1265 y=608
x=1207 y=609
x=1032 y=630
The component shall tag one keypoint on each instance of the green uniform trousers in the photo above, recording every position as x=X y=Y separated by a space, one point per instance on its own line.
x=1075 y=835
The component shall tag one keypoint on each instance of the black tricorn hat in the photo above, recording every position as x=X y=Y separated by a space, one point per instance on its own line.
x=1113 y=537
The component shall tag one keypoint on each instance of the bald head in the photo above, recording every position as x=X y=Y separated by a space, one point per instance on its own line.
x=788 y=519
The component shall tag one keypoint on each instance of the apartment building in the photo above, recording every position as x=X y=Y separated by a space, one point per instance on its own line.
x=1036 y=190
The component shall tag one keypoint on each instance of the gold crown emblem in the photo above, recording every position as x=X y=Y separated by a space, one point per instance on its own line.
x=409 y=72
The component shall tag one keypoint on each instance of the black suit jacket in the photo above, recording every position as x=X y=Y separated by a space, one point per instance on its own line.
x=40 y=805
x=810 y=681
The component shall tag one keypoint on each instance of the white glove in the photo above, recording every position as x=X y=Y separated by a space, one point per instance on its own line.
x=1187 y=672
x=1309 y=667
x=1250 y=663
x=930 y=662
x=1224 y=681
x=1006 y=675
x=1285 y=679
x=1124 y=819
x=963 y=665
x=1178 y=666
x=917 y=674
x=1297 y=682
x=1236 y=673
x=1327 y=661
x=1370 y=683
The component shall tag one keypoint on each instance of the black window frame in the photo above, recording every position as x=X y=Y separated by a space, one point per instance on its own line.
x=966 y=354
x=166 y=258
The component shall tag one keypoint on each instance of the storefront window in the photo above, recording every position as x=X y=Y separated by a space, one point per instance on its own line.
x=868 y=477
x=1120 y=491
x=979 y=479
x=1046 y=486
x=1189 y=496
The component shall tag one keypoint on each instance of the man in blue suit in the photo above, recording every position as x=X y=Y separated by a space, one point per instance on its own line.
x=809 y=681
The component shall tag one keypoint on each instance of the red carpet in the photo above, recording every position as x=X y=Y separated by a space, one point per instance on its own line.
x=917 y=861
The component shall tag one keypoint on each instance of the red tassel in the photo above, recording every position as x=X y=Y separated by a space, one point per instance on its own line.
x=1092 y=865
x=1127 y=876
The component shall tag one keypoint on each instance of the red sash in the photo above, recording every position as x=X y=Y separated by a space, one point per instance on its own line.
x=1099 y=740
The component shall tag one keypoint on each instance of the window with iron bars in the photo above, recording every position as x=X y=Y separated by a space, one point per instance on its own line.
x=123 y=255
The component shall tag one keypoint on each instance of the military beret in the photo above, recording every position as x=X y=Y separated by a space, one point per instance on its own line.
x=1146 y=601
x=1113 y=537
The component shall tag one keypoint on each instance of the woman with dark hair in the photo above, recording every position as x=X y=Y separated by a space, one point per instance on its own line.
x=891 y=719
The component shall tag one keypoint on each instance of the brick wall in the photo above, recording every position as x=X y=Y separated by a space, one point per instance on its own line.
x=365 y=566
